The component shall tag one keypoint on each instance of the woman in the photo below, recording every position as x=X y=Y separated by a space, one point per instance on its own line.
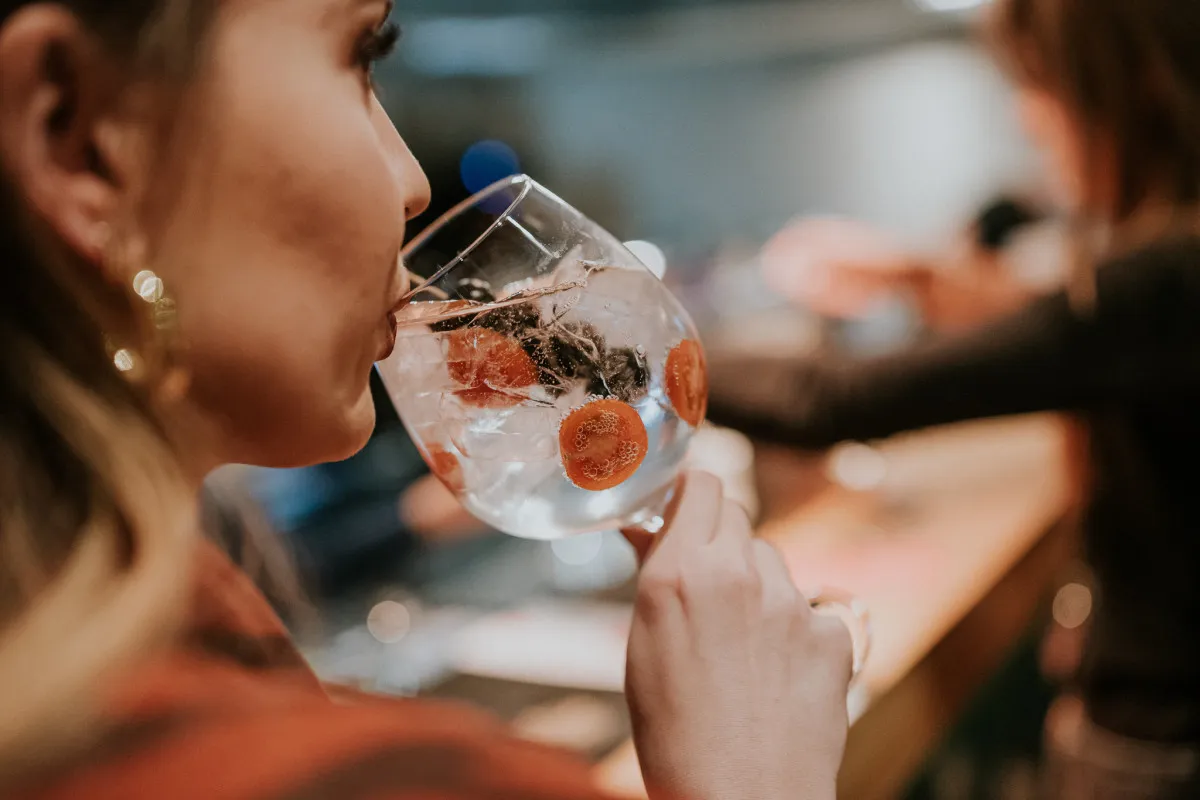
x=200 y=213
x=1111 y=91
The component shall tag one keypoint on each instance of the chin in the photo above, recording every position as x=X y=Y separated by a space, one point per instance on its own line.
x=319 y=441
x=358 y=426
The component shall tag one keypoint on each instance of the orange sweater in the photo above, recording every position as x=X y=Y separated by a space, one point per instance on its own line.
x=234 y=713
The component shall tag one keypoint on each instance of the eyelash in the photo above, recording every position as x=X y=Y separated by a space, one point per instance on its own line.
x=376 y=45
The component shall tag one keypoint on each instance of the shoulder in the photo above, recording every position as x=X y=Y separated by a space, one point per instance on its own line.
x=284 y=742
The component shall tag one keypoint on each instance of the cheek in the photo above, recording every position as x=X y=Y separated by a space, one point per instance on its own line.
x=291 y=263
x=1051 y=131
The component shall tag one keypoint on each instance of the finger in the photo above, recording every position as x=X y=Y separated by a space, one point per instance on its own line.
x=697 y=514
x=733 y=535
x=642 y=540
x=779 y=590
x=720 y=580
x=836 y=645
x=734 y=522
x=731 y=546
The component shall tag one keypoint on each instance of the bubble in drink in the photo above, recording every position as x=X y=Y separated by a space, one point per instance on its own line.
x=557 y=409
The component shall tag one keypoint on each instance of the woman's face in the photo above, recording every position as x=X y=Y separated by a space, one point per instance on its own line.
x=1056 y=136
x=282 y=249
x=273 y=209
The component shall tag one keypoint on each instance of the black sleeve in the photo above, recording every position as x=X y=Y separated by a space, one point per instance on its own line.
x=1140 y=336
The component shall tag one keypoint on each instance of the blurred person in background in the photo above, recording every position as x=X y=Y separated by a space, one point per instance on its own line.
x=201 y=209
x=1110 y=91
x=840 y=268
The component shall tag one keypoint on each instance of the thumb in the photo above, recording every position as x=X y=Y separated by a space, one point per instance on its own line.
x=642 y=542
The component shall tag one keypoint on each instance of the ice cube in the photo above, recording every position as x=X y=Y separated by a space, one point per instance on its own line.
x=500 y=490
x=570 y=278
x=416 y=376
x=419 y=360
x=522 y=434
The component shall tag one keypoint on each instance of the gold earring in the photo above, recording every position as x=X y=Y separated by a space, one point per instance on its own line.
x=151 y=290
x=152 y=361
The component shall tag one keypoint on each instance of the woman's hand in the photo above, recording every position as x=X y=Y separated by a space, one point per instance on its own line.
x=736 y=688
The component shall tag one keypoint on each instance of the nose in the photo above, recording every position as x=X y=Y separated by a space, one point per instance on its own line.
x=418 y=192
x=416 y=199
x=413 y=183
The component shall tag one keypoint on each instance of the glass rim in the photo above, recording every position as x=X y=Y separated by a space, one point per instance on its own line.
x=527 y=185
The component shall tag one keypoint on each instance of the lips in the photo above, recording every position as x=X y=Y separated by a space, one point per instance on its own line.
x=404 y=284
x=390 y=342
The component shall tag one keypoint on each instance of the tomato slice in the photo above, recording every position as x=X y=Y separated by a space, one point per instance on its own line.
x=687 y=382
x=602 y=444
x=452 y=323
x=489 y=365
x=446 y=467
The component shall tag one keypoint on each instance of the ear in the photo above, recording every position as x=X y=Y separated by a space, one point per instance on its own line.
x=58 y=91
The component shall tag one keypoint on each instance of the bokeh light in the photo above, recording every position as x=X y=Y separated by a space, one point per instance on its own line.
x=651 y=255
x=389 y=622
x=148 y=286
x=1072 y=606
x=858 y=467
x=124 y=361
x=578 y=551
x=487 y=162
x=948 y=6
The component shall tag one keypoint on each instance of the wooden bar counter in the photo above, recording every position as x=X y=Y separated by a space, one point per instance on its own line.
x=953 y=554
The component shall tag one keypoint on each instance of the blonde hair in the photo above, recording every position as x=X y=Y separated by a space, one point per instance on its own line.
x=97 y=521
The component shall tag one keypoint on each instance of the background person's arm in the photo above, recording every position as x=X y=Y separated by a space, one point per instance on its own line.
x=1140 y=336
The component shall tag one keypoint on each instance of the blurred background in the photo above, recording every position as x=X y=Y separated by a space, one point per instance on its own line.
x=697 y=129
x=704 y=126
